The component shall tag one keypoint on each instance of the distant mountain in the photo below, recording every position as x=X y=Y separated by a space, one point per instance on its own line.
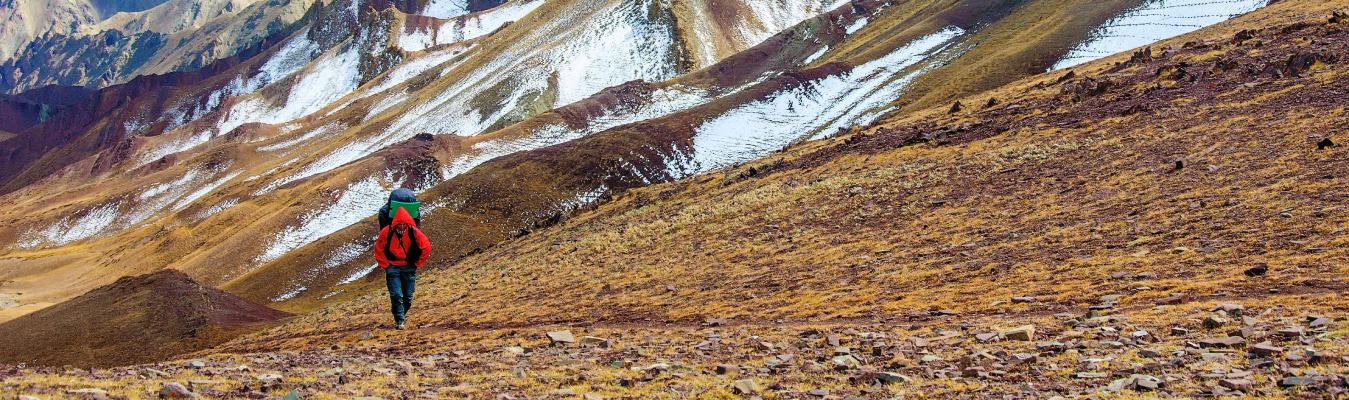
x=176 y=35
x=22 y=21
x=135 y=319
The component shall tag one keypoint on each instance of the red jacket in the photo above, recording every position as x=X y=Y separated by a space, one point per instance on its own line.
x=392 y=249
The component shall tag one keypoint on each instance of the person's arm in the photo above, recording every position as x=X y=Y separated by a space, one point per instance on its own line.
x=380 y=242
x=425 y=244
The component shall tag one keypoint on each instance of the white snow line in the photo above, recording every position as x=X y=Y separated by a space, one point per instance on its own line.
x=758 y=128
x=358 y=201
x=1153 y=21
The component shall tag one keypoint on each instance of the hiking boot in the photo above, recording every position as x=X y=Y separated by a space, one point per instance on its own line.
x=400 y=326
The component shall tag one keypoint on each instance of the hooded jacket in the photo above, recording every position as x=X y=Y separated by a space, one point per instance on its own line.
x=410 y=248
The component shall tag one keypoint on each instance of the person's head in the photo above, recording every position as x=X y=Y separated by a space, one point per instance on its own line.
x=402 y=221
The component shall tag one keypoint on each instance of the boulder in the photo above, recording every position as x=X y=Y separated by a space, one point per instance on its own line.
x=1223 y=342
x=1146 y=382
x=1023 y=333
x=1234 y=310
x=845 y=362
x=1266 y=349
x=886 y=378
x=1173 y=299
x=746 y=387
x=175 y=390
x=592 y=341
x=1290 y=332
x=561 y=337
x=563 y=392
x=1239 y=384
x=1291 y=381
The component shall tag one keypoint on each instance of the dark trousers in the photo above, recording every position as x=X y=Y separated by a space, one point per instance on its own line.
x=402 y=281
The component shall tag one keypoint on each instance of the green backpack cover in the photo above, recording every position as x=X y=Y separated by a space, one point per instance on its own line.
x=412 y=208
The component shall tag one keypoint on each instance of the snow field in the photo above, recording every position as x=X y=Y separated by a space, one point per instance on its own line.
x=756 y=129
x=1153 y=21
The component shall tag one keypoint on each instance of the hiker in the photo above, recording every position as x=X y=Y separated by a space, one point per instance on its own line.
x=400 y=249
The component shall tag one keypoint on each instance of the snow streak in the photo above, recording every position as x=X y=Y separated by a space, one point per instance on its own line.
x=758 y=128
x=1153 y=21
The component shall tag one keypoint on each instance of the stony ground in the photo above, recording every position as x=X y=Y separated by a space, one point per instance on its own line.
x=1181 y=347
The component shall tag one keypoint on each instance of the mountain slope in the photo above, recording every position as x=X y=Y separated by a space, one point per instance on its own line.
x=136 y=319
x=303 y=174
x=1072 y=172
x=257 y=177
x=747 y=116
x=1164 y=221
x=22 y=21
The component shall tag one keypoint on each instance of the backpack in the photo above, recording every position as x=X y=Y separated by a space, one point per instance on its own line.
x=400 y=198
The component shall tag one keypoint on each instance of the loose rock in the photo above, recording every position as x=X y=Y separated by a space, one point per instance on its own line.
x=1024 y=333
x=561 y=337
x=1266 y=349
x=746 y=387
x=175 y=390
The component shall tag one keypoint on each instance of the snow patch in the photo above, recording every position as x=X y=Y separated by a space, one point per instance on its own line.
x=409 y=69
x=585 y=198
x=615 y=49
x=445 y=9
x=327 y=80
x=355 y=203
x=469 y=27
x=856 y=26
x=217 y=208
x=94 y=221
x=1153 y=21
x=294 y=291
x=771 y=17
x=758 y=128
x=358 y=274
x=313 y=133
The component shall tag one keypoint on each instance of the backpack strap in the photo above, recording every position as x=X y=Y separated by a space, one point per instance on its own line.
x=411 y=254
x=414 y=251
